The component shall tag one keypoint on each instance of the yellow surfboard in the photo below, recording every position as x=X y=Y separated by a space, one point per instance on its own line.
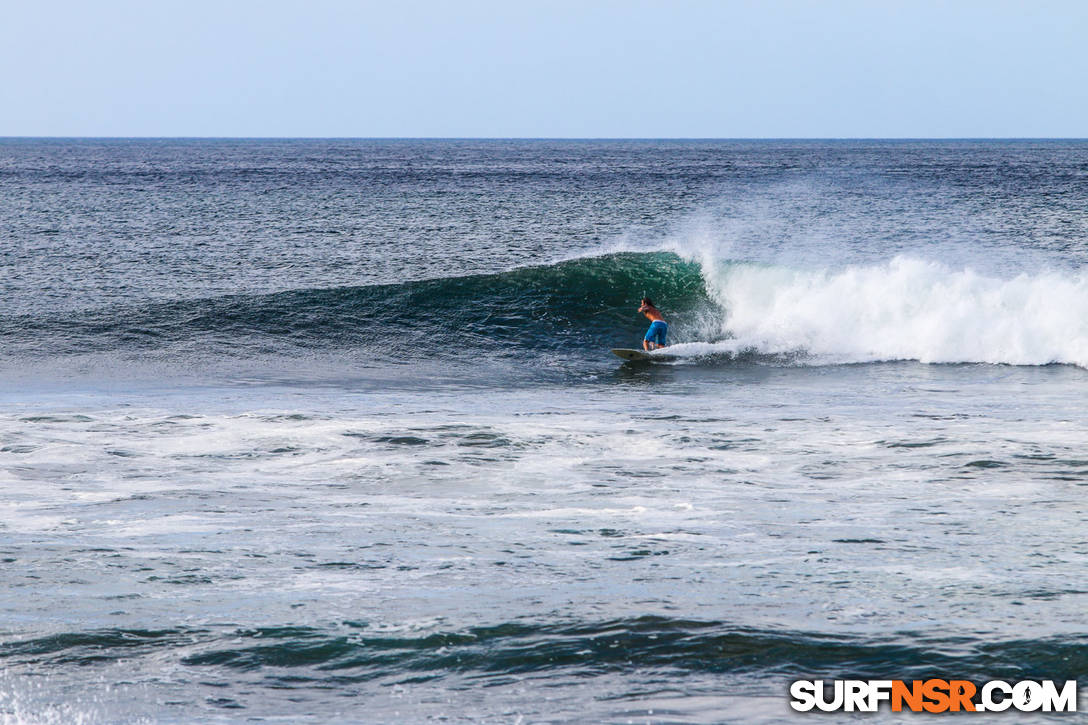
x=641 y=355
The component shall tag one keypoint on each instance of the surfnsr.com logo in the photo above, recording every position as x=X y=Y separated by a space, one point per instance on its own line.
x=933 y=696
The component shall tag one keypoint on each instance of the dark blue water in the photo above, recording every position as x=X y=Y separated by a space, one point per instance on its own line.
x=329 y=431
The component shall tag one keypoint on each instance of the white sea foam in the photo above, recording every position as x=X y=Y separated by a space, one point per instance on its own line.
x=778 y=297
x=905 y=309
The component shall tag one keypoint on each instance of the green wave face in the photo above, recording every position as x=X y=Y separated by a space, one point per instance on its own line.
x=582 y=303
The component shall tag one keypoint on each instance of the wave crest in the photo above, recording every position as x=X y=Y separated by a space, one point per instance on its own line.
x=906 y=309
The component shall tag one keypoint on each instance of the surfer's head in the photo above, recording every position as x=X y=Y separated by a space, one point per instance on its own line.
x=647 y=302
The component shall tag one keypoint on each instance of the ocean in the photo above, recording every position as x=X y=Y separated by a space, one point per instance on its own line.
x=328 y=431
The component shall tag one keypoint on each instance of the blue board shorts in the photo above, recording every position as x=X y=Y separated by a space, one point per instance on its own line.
x=657 y=332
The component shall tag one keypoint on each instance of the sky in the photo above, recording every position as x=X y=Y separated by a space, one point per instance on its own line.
x=556 y=68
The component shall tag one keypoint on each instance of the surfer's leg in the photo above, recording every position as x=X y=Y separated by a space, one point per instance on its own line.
x=655 y=336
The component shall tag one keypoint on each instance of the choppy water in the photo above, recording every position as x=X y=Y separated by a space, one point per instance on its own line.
x=328 y=431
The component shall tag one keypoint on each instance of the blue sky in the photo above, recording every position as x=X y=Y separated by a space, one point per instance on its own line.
x=409 y=68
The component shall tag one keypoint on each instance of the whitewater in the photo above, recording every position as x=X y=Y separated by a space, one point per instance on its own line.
x=328 y=431
x=906 y=309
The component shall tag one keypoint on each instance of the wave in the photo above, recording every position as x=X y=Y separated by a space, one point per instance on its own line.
x=903 y=309
x=357 y=651
x=586 y=302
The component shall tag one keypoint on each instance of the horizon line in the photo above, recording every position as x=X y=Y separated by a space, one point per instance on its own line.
x=550 y=138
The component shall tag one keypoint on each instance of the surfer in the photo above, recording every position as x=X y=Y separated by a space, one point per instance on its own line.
x=655 y=336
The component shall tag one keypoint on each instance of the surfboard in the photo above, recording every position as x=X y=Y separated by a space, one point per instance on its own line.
x=640 y=355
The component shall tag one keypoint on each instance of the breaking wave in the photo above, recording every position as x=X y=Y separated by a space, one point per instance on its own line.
x=905 y=309
x=902 y=309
